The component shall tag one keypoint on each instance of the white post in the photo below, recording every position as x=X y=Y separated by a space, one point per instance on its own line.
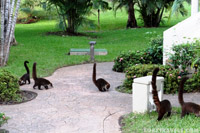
x=92 y=43
x=194 y=7
x=142 y=93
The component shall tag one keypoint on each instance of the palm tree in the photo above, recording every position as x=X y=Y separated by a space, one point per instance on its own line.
x=152 y=11
x=129 y=4
x=178 y=7
x=74 y=11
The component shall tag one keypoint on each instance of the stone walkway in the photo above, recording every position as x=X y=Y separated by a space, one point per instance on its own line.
x=75 y=105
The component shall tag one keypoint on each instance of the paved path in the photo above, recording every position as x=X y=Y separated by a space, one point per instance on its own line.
x=74 y=105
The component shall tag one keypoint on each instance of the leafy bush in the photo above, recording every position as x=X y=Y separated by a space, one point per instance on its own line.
x=153 y=54
x=193 y=84
x=182 y=55
x=155 y=51
x=171 y=76
x=3 y=119
x=9 y=87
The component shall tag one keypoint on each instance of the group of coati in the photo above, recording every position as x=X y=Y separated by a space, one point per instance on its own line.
x=39 y=82
x=163 y=107
x=101 y=84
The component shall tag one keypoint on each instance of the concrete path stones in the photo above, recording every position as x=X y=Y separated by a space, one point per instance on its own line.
x=75 y=105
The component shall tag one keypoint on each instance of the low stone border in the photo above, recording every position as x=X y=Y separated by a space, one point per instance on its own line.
x=26 y=96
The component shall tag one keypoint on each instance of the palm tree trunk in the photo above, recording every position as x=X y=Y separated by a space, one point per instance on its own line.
x=2 y=31
x=71 y=28
x=131 y=23
x=12 y=31
x=9 y=13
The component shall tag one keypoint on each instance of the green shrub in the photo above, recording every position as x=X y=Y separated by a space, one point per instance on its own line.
x=3 y=119
x=193 y=84
x=155 y=51
x=153 y=54
x=9 y=87
x=171 y=76
x=182 y=56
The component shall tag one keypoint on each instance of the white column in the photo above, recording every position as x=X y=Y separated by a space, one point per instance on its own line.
x=194 y=7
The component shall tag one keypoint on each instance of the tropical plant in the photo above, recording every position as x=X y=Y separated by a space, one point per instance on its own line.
x=152 y=11
x=196 y=60
x=9 y=87
x=184 y=55
x=72 y=10
x=9 y=13
x=153 y=55
x=178 y=7
x=171 y=76
x=129 y=4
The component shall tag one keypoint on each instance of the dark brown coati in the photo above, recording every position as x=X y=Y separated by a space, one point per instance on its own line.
x=26 y=76
x=187 y=107
x=164 y=106
x=101 y=84
x=40 y=81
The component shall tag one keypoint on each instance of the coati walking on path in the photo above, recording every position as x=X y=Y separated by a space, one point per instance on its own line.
x=26 y=76
x=187 y=107
x=164 y=106
x=40 y=81
x=101 y=84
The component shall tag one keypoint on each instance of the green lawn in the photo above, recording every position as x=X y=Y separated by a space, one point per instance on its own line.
x=147 y=123
x=50 y=52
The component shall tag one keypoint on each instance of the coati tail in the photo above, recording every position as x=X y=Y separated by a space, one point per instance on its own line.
x=180 y=93
x=25 y=65
x=94 y=73
x=34 y=75
x=154 y=90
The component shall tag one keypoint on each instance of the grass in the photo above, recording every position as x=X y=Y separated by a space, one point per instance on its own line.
x=50 y=52
x=140 y=123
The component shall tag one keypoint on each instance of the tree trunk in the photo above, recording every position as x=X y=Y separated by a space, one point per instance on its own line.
x=2 y=31
x=131 y=23
x=8 y=20
x=99 y=18
x=12 y=30
x=13 y=41
x=71 y=25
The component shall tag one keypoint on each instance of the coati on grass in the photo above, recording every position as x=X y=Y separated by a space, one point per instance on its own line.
x=40 y=81
x=164 y=106
x=26 y=76
x=187 y=107
x=101 y=84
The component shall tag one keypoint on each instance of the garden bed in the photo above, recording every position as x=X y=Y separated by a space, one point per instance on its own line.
x=26 y=96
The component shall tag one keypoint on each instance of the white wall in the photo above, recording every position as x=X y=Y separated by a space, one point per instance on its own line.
x=185 y=31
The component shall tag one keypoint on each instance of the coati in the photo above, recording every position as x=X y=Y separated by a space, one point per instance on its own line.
x=187 y=107
x=101 y=84
x=26 y=76
x=40 y=81
x=164 y=106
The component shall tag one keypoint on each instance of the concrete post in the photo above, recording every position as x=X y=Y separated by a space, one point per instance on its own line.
x=142 y=94
x=92 y=43
x=194 y=7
